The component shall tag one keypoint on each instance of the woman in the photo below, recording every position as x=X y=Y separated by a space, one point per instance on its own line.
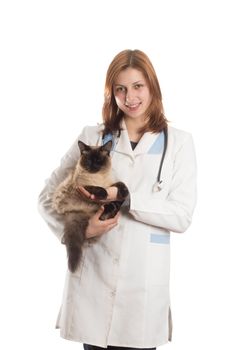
x=120 y=295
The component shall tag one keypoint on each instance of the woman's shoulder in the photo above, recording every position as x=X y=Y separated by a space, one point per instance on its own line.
x=91 y=133
x=178 y=137
x=98 y=128
x=178 y=133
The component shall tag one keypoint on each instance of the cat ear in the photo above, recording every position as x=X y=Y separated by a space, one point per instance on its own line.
x=83 y=147
x=107 y=146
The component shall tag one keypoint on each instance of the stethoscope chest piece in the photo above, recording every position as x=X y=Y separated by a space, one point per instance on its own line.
x=158 y=186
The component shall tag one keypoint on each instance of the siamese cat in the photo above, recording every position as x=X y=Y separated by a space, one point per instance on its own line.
x=93 y=172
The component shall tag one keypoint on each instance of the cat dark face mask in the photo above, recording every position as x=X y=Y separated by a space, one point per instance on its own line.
x=94 y=159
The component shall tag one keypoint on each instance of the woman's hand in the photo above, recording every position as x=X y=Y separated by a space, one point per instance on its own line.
x=97 y=227
x=112 y=193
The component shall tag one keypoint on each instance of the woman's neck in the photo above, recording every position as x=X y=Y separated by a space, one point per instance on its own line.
x=133 y=126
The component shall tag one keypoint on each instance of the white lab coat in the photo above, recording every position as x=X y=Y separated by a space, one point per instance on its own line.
x=120 y=294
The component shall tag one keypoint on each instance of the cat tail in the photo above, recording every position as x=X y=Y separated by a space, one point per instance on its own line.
x=74 y=236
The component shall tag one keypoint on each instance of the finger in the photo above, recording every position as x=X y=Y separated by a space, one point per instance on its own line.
x=84 y=191
x=80 y=192
x=100 y=211
x=109 y=227
x=111 y=221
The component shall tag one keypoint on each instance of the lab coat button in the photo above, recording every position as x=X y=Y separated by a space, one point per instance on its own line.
x=113 y=293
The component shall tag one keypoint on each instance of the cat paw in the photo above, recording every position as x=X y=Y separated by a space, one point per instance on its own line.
x=110 y=210
x=99 y=192
x=123 y=191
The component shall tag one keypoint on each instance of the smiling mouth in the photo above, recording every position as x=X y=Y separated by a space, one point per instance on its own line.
x=133 y=107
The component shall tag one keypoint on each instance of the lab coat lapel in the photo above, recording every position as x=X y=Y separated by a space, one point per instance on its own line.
x=145 y=143
x=123 y=142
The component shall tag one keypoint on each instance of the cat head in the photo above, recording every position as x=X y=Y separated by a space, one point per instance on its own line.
x=95 y=158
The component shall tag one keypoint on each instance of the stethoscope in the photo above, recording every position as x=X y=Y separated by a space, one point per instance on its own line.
x=158 y=186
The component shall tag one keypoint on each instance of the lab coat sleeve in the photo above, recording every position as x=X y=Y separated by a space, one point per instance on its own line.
x=52 y=218
x=174 y=213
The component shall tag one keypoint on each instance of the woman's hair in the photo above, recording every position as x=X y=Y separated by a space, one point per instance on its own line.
x=112 y=115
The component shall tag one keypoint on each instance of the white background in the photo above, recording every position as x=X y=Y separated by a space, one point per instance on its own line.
x=54 y=56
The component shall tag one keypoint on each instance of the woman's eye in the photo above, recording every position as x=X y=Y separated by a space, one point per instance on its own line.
x=137 y=86
x=120 y=89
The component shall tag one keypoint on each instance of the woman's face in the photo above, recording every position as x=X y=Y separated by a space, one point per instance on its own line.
x=132 y=93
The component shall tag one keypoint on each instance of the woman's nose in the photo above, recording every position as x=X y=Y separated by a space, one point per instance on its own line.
x=130 y=96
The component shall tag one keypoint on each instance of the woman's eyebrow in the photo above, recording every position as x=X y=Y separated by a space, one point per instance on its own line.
x=136 y=82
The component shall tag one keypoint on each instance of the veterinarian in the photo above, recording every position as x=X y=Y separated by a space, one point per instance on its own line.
x=119 y=297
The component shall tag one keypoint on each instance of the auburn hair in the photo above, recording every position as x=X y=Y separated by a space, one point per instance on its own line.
x=112 y=115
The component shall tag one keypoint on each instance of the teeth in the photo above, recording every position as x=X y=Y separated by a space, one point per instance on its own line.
x=133 y=106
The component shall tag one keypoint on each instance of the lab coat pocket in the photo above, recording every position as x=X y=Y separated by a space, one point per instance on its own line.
x=158 y=259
